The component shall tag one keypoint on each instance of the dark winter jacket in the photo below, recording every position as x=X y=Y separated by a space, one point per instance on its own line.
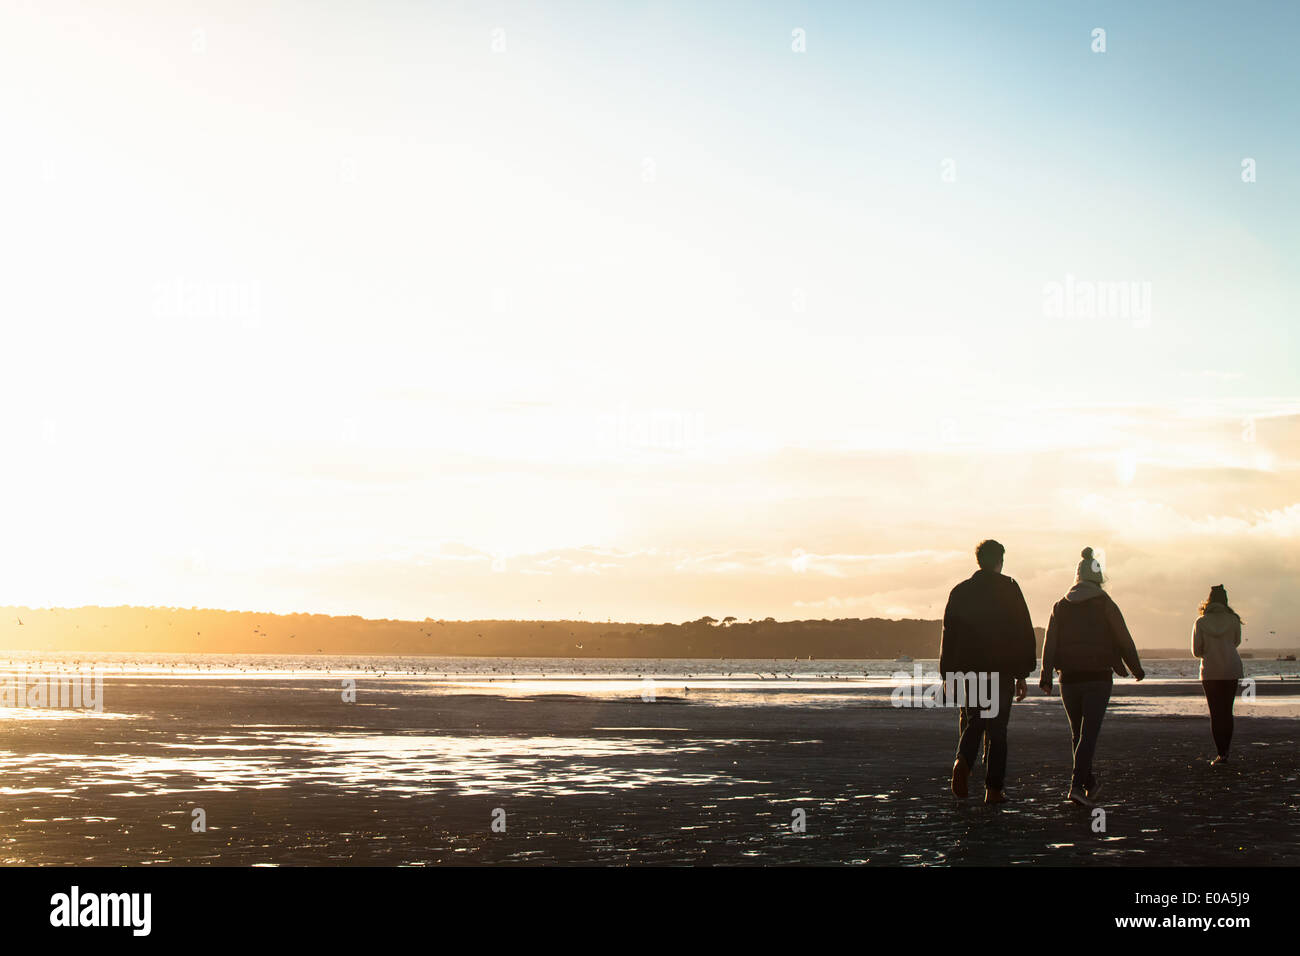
x=986 y=628
x=1087 y=634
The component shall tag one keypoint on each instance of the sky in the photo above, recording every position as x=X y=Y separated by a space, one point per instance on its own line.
x=647 y=311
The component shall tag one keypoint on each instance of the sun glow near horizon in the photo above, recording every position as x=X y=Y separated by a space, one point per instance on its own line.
x=641 y=313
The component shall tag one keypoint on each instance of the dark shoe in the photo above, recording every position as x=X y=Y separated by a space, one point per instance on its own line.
x=994 y=796
x=960 y=776
x=1092 y=791
x=1077 y=795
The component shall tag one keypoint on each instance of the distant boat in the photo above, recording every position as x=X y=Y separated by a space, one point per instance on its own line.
x=1286 y=657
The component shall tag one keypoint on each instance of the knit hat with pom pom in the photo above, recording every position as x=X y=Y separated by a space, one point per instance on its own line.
x=1089 y=568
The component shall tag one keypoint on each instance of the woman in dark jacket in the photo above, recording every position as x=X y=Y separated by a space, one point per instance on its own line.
x=1086 y=640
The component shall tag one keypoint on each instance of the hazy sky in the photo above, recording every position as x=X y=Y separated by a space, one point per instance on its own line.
x=636 y=310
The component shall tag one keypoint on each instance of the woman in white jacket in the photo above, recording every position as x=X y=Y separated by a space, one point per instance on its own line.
x=1215 y=639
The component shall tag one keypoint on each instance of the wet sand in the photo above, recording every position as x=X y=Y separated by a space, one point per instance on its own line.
x=288 y=774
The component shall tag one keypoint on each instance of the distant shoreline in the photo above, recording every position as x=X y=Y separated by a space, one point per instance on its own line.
x=164 y=630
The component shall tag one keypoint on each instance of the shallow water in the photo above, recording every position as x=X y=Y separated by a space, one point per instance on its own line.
x=1171 y=686
x=759 y=670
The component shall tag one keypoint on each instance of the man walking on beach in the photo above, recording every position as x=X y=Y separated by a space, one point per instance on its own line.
x=987 y=632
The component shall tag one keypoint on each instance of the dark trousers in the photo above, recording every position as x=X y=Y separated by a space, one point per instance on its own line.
x=991 y=731
x=1220 y=694
x=1085 y=707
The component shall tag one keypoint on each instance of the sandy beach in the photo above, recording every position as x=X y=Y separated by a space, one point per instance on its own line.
x=287 y=774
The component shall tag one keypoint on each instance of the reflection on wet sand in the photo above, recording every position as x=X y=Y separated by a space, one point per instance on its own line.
x=523 y=765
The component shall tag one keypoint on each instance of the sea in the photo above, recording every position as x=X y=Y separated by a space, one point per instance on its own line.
x=1171 y=684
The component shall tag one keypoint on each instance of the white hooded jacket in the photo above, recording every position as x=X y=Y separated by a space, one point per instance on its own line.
x=1215 y=639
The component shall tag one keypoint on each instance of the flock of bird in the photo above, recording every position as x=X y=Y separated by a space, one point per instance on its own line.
x=414 y=670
